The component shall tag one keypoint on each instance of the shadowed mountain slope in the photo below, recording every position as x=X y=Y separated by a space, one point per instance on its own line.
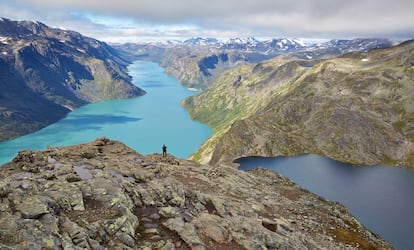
x=46 y=72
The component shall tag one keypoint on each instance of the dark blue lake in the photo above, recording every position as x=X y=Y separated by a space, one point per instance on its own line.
x=143 y=123
x=381 y=197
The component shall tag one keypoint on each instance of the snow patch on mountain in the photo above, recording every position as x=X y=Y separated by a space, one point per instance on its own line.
x=200 y=41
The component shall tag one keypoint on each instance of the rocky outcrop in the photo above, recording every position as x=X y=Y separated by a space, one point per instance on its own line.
x=356 y=108
x=103 y=195
x=46 y=72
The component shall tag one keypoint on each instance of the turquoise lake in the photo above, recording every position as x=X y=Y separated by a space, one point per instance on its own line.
x=144 y=123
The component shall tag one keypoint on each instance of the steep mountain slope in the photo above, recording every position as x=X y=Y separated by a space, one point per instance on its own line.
x=198 y=68
x=357 y=108
x=47 y=72
x=22 y=110
x=104 y=195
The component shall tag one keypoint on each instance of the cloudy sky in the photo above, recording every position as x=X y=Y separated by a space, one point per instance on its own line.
x=132 y=20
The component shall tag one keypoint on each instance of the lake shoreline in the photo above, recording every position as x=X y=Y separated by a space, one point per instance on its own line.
x=379 y=196
x=143 y=123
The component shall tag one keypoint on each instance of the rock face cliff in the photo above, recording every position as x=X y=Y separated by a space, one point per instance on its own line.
x=46 y=72
x=103 y=195
x=357 y=108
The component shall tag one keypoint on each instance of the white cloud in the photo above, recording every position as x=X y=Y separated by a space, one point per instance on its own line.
x=112 y=19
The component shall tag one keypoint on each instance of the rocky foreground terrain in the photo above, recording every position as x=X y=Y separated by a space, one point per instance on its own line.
x=104 y=195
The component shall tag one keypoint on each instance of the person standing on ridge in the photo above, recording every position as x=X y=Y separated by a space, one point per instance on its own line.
x=164 y=150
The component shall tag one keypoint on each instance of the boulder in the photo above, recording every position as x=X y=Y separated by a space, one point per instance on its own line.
x=33 y=207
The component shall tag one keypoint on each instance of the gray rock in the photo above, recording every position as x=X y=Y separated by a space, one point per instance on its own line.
x=50 y=160
x=186 y=231
x=32 y=207
x=154 y=217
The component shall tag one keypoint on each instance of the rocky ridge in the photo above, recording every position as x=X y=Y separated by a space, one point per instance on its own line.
x=357 y=108
x=104 y=195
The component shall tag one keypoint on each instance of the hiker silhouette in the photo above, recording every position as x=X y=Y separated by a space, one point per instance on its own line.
x=164 y=150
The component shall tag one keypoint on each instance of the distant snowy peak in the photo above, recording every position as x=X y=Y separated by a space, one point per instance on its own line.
x=238 y=40
x=277 y=46
x=360 y=44
x=285 y=44
x=166 y=43
x=200 y=41
x=243 y=43
x=303 y=43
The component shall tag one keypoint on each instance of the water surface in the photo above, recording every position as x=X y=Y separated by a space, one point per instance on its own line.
x=381 y=197
x=143 y=123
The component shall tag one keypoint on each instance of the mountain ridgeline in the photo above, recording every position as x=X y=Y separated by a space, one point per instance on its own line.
x=356 y=108
x=46 y=72
x=199 y=62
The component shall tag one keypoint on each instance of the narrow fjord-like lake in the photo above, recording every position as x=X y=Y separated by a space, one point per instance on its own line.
x=144 y=123
x=380 y=197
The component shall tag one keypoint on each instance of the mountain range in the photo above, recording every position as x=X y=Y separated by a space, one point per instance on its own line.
x=198 y=62
x=355 y=108
x=47 y=72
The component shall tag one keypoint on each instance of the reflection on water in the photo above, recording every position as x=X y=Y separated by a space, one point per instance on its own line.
x=381 y=197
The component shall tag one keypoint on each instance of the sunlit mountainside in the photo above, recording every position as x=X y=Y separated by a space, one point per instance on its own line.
x=355 y=108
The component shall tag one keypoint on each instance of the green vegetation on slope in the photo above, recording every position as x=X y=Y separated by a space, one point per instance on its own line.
x=357 y=108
